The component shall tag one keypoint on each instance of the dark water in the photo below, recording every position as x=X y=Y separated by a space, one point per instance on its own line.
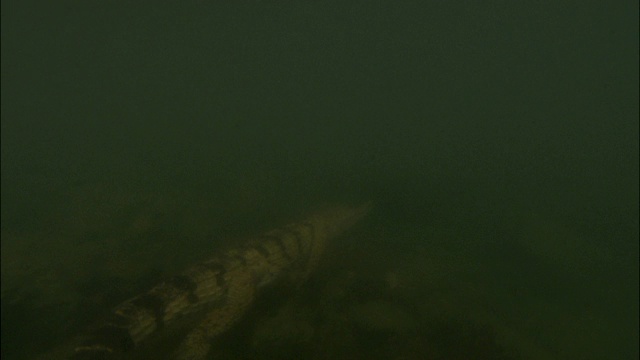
x=499 y=142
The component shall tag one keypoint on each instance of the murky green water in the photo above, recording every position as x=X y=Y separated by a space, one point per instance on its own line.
x=499 y=143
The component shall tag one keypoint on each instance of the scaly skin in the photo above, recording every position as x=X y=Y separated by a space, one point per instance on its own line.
x=224 y=286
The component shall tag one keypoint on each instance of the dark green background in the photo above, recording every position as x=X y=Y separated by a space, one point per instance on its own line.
x=483 y=107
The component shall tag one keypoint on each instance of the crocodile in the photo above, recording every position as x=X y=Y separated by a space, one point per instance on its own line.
x=223 y=288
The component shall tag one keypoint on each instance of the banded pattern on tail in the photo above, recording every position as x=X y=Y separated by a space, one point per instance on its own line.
x=223 y=286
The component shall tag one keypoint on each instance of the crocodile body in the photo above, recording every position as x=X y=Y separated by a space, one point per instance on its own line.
x=222 y=287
